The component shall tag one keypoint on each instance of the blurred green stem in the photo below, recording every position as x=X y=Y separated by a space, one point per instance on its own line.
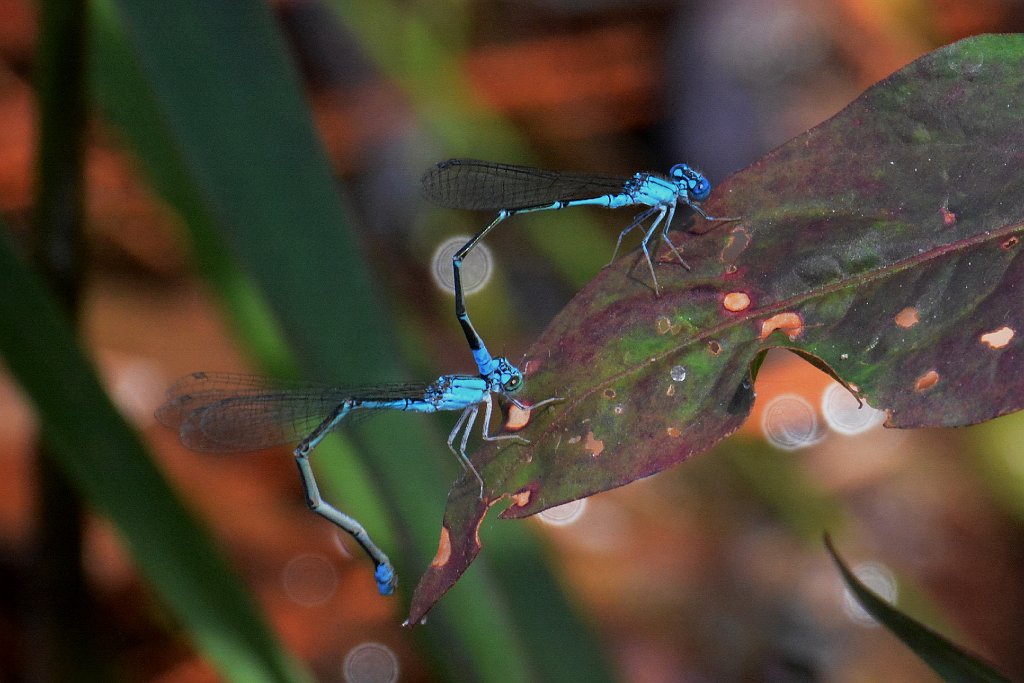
x=61 y=646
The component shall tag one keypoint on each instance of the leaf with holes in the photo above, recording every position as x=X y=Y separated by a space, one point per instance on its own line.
x=883 y=246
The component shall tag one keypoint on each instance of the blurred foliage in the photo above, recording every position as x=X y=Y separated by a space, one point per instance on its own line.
x=104 y=458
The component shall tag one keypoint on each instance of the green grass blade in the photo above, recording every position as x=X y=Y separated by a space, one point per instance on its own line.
x=227 y=95
x=950 y=662
x=107 y=462
x=123 y=95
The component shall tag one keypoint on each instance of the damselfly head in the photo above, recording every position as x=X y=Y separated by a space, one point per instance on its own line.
x=506 y=378
x=698 y=187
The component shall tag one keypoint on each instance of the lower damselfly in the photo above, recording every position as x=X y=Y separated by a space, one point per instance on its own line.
x=223 y=413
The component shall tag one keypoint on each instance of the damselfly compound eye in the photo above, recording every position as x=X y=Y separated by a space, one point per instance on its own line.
x=701 y=189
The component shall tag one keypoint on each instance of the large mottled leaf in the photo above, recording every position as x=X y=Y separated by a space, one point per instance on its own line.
x=883 y=246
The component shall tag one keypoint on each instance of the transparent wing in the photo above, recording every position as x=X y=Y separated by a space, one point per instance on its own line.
x=484 y=185
x=227 y=413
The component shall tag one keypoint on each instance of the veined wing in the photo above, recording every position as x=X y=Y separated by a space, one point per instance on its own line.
x=484 y=185
x=228 y=413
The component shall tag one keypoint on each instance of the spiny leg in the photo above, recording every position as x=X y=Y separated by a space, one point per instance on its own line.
x=668 y=224
x=637 y=220
x=541 y=404
x=485 y=428
x=524 y=407
x=664 y=237
x=647 y=254
x=384 y=572
x=703 y=214
x=465 y=423
x=528 y=408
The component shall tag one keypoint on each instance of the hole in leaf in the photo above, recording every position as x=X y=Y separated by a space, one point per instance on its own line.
x=736 y=301
x=926 y=381
x=908 y=317
x=522 y=498
x=517 y=418
x=997 y=339
x=790 y=323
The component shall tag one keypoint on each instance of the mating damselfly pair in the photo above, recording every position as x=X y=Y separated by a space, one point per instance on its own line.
x=221 y=412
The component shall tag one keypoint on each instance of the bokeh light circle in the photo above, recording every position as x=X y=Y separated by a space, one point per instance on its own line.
x=844 y=414
x=371 y=663
x=476 y=268
x=565 y=514
x=880 y=580
x=309 y=579
x=789 y=423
